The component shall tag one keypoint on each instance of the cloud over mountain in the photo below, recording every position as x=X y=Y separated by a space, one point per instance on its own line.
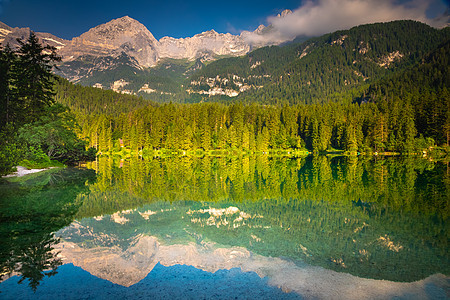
x=315 y=18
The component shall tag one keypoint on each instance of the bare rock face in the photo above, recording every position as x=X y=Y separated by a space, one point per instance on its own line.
x=123 y=35
x=209 y=41
x=126 y=44
x=4 y=31
x=9 y=35
x=127 y=36
x=284 y=13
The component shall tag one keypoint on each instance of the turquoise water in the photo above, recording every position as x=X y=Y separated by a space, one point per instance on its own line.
x=248 y=227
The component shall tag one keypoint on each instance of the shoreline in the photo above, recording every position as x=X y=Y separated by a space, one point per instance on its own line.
x=22 y=171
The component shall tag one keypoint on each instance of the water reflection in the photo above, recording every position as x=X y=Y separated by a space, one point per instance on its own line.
x=400 y=183
x=291 y=220
x=125 y=247
x=379 y=219
x=31 y=209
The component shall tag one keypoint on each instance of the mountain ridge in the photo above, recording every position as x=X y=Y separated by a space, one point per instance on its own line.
x=111 y=39
x=102 y=47
x=117 y=34
x=124 y=56
x=321 y=67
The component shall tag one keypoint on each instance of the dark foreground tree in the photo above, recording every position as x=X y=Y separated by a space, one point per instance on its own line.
x=34 y=79
x=27 y=115
x=7 y=104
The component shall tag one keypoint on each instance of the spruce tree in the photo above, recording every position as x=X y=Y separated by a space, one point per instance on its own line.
x=33 y=78
x=7 y=99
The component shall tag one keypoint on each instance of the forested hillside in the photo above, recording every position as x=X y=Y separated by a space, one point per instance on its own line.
x=406 y=110
x=356 y=100
x=162 y=83
x=323 y=68
x=425 y=86
x=91 y=101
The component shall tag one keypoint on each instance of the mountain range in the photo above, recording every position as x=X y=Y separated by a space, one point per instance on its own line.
x=124 y=56
x=125 y=41
x=321 y=68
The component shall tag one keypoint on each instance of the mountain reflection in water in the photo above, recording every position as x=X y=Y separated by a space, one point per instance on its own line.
x=294 y=222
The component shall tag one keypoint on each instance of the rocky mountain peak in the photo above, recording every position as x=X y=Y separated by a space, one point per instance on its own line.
x=125 y=41
x=117 y=29
x=264 y=35
x=126 y=19
x=122 y=35
x=4 y=31
x=9 y=35
x=209 y=32
x=284 y=13
x=260 y=29
x=117 y=32
x=209 y=42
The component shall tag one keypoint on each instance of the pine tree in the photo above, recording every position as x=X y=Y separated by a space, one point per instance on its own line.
x=263 y=140
x=8 y=103
x=245 y=138
x=408 y=128
x=33 y=78
x=351 y=143
x=314 y=135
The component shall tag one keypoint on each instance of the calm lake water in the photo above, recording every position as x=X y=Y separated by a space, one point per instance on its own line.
x=249 y=227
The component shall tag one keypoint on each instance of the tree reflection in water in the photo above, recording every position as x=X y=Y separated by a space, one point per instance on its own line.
x=380 y=218
x=32 y=208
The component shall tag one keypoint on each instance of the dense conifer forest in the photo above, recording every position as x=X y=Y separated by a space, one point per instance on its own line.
x=326 y=68
x=349 y=103
x=405 y=112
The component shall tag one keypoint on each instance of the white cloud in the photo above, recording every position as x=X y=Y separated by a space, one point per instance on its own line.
x=315 y=18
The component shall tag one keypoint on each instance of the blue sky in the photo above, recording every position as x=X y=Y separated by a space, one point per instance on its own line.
x=178 y=18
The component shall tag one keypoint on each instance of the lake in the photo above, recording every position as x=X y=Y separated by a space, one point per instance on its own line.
x=228 y=227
